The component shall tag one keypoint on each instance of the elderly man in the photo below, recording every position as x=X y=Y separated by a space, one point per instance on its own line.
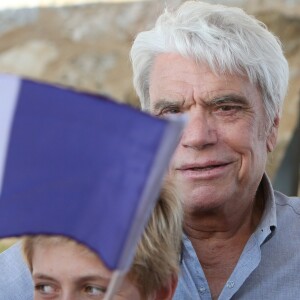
x=226 y=71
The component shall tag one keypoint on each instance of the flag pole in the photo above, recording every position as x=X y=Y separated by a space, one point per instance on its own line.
x=114 y=284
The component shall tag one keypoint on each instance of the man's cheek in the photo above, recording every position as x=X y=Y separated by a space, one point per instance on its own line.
x=174 y=160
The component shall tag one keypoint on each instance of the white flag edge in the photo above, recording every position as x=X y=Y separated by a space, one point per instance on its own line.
x=9 y=87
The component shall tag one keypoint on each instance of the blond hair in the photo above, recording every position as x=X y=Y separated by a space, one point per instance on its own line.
x=157 y=256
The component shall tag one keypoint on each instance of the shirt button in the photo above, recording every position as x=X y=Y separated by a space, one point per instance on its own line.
x=202 y=289
x=230 y=284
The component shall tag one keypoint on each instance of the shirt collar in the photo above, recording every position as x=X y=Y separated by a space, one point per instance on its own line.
x=268 y=221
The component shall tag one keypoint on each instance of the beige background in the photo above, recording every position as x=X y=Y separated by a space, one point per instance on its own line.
x=86 y=46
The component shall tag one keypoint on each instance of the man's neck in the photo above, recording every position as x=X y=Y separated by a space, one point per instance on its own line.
x=219 y=239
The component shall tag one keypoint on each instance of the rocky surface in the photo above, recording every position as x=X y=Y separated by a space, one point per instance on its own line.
x=86 y=47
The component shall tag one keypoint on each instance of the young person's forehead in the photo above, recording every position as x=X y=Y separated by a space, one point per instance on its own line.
x=63 y=242
x=65 y=255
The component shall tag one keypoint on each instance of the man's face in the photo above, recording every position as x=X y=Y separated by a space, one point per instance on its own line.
x=222 y=154
x=66 y=271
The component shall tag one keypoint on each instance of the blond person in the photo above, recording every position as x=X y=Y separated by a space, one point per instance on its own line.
x=63 y=269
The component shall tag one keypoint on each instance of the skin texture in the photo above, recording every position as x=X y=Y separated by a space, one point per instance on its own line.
x=220 y=160
x=67 y=272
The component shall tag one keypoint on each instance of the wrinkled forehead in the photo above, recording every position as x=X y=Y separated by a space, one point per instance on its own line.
x=176 y=77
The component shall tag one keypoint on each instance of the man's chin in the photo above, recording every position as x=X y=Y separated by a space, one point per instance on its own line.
x=203 y=200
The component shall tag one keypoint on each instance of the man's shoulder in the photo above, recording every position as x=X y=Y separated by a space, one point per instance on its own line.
x=15 y=278
x=9 y=253
x=288 y=221
x=288 y=204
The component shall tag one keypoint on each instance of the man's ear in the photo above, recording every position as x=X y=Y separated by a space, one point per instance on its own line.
x=272 y=136
x=167 y=292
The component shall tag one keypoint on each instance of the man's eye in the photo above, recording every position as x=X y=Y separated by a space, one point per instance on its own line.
x=228 y=108
x=170 y=110
x=94 y=290
x=45 y=288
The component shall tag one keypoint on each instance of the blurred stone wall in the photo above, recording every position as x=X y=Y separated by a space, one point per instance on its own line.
x=87 y=46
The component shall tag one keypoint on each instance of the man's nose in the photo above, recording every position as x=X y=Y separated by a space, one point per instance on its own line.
x=200 y=131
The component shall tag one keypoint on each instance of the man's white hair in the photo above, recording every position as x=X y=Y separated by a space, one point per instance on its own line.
x=226 y=39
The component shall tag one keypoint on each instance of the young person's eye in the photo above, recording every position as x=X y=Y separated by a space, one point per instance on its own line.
x=93 y=290
x=45 y=289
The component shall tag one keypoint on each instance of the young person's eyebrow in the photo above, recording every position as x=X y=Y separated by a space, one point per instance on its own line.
x=102 y=279
x=43 y=277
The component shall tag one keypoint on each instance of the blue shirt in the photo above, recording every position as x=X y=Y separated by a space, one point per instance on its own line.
x=269 y=266
x=15 y=278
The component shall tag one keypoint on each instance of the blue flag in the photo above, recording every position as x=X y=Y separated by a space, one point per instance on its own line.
x=79 y=165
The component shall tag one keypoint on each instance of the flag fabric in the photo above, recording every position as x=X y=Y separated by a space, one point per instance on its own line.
x=79 y=165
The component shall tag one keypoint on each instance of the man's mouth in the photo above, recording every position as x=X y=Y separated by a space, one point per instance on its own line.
x=207 y=170
x=204 y=167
